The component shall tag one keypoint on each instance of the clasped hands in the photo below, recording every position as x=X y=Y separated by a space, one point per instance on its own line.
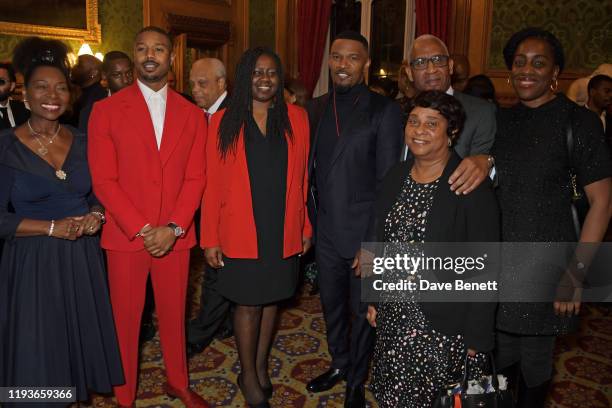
x=71 y=228
x=158 y=241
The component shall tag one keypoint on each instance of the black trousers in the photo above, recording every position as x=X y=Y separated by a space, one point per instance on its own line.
x=214 y=311
x=349 y=336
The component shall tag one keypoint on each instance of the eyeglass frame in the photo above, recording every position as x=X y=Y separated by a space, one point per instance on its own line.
x=443 y=62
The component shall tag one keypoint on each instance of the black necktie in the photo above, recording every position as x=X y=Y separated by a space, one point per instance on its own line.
x=5 y=123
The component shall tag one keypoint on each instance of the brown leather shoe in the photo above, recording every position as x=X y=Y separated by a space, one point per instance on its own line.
x=187 y=397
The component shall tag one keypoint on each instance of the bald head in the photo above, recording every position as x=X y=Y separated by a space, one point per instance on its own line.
x=87 y=71
x=208 y=82
x=430 y=65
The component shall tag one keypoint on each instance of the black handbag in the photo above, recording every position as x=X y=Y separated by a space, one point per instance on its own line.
x=579 y=204
x=495 y=399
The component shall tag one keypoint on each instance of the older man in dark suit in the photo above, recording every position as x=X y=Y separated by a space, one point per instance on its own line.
x=209 y=90
x=12 y=113
x=356 y=138
x=431 y=68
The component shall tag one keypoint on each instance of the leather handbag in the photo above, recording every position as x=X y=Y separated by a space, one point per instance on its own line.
x=454 y=396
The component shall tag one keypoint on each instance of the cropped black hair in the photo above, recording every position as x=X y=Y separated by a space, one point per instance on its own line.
x=34 y=52
x=355 y=36
x=113 y=56
x=154 y=29
x=447 y=105
x=10 y=70
x=533 y=32
x=595 y=81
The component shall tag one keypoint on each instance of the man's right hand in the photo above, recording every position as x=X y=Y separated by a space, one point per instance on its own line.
x=214 y=257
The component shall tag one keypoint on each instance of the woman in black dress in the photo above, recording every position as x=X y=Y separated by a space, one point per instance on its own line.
x=254 y=222
x=56 y=323
x=533 y=166
x=421 y=346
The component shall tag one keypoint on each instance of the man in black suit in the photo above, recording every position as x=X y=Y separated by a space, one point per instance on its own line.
x=209 y=90
x=86 y=74
x=12 y=113
x=431 y=68
x=356 y=137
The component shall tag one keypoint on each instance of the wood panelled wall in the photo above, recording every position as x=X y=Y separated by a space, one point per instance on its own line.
x=469 y=34
x=236 y=12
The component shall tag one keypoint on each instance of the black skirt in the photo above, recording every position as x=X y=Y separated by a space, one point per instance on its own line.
x=56 y=322
x=269 y=278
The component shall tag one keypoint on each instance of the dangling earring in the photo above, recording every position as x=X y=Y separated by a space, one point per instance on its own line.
x=554 y=87
x=450 y=142
x=508 y=80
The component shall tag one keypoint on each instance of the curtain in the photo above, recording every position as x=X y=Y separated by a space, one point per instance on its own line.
x=313 y=22
x=432 y=17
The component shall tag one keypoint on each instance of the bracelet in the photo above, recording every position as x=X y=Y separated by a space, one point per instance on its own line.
x=51 y=228
x=100 y=215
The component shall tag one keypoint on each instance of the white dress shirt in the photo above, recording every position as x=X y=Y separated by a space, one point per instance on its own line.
x=8 y=111
x=156 y=102
x=218 y=102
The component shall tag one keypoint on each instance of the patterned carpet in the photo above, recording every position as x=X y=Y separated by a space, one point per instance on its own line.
x=583 y=362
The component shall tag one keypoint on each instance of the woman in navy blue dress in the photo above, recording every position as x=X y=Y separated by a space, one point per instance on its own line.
x=56 y=325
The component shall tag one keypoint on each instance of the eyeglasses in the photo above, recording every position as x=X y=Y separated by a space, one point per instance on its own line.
x=3 y=82
x=438 y=61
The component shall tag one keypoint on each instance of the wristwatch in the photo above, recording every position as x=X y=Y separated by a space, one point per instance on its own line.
x=178 y=231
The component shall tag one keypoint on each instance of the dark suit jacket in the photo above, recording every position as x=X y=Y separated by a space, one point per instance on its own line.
x=474 y=217
x=480 y=126
x=20 y=113
x=369 y=145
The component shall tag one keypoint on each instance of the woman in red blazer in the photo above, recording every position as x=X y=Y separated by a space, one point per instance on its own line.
x=254 y=221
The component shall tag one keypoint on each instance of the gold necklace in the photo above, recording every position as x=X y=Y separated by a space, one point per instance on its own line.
x=43 y=150
x=59 y=173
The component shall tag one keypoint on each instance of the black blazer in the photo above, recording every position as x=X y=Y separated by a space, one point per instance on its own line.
x=20 y=113
x=474 y=217
x=368 y=146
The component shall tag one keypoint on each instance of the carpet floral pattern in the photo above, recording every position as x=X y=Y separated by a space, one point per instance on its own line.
x=583 y=366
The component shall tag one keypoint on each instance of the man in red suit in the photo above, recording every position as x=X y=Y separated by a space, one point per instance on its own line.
x=146 y=155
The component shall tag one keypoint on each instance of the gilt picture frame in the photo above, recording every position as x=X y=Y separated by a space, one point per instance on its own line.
x=66 y=19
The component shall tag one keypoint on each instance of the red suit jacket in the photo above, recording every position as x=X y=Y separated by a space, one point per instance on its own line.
x=227 y=210
x=136 y=182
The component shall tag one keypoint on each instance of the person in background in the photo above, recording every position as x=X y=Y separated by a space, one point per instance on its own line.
x=532 y=161
x=421 y=346
x=56 y=321
x=578 y=91
x=357 y=138
x=295 y=93
x=117 y=72
x=254 y=219
x=481 y=86
x=86 y=74
x=209 y=90
x=406 y=90
x=12 y=112
x=146 y=155
x=600 y=96
x=461 y=71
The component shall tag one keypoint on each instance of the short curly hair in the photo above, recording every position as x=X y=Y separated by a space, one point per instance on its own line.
x=534 y=32
x=448 y=106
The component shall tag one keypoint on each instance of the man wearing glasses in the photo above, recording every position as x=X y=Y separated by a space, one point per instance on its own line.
x=431 y=69
x=12 y=113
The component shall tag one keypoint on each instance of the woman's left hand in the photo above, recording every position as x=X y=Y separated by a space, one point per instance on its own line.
x=306 y=245
x=90 y=224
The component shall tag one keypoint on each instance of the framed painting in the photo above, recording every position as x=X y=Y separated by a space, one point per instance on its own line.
x=63 y=19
